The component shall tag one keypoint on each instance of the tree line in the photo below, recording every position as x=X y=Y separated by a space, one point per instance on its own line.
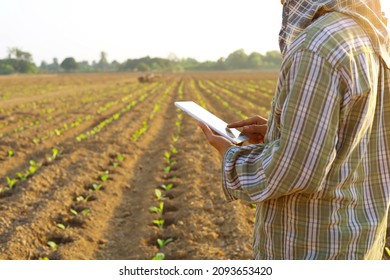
x=19 y=61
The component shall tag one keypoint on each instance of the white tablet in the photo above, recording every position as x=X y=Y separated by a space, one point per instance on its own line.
x=215 y=123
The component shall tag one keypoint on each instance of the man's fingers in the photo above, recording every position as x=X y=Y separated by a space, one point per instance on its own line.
x=206 y=130
x=256 y=129
x=251 y=121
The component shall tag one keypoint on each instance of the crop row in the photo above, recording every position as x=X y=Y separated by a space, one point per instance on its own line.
x=161 y=194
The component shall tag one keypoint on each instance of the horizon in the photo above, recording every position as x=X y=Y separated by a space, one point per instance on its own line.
x=202 y=30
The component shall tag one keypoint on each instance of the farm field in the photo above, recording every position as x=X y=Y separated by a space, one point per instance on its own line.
x=100 y=166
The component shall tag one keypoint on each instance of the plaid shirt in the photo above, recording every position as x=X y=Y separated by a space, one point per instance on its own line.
x=321 y=180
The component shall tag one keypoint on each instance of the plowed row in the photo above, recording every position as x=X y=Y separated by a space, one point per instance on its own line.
x=69 y=209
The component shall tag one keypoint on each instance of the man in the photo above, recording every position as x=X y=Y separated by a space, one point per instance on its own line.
x=321 y=179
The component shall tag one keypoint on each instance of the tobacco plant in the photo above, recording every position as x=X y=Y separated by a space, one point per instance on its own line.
x=52 y=245
x=167 y=187
x=159 y=195
x=10 y=153
x=159 y=223
x=164 y=242
x=11 y=183
x=158 y=210
x=104 y=176
x=159 y=256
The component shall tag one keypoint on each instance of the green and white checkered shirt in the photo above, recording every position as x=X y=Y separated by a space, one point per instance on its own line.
x=321 y=180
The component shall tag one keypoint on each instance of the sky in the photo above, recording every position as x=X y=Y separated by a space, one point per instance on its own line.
x=123 y=29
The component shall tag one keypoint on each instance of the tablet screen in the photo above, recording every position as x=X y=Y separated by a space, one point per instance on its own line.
x=211 y=120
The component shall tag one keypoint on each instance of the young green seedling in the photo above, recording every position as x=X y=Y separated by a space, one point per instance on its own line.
x=10 y=153
x=167 y=169
x=96 y=186
x=167 y=187
x=11 y=183
x=55 y=153
x=34 y=166
x=22 y=176
x=157 y=210
x=120 y=157
x=104 y=176
x=162 y=243
x=175 y=139
x=61 y=226
x=159 y=223
x=52 y=245
x=84 y=212
x=159 y=256
x=82 y=198
x=167 y=156
x=159 y=195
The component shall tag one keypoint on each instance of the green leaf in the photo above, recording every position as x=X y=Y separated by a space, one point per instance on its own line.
x=120 y=157
x=74 y=212
x=52 y=245
x=61 y=226
x=159 y=223
x=167 y=187
x=97 y=187
x=162 y=243
x=104 y=176
x=11 y=182
x=159 y=195
x=159 y=256
x=10 y=153
x=86 y=211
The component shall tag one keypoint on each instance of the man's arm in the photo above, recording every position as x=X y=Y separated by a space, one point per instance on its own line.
x=301 y=157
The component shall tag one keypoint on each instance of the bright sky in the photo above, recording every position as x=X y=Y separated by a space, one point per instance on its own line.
x=200 y=29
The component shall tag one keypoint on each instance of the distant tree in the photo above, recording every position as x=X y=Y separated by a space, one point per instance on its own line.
x=18 y=54
x=273 y=58
x=43 y=66
x=115 y=65
x=6 y=67
x=143 y=67
x=20 y=61
x=255 y=60
x=85 y=67
x=69 y=64
x=103 y=63
x=221 y=65
x=237 y=60
x=54 y=66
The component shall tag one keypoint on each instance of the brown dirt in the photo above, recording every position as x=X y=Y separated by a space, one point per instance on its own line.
x=117 y=223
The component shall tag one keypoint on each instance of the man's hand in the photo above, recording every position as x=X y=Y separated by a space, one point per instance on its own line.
x=255 y=128
x=221 y=144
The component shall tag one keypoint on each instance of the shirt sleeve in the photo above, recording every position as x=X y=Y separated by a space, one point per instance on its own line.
x=299 y=159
